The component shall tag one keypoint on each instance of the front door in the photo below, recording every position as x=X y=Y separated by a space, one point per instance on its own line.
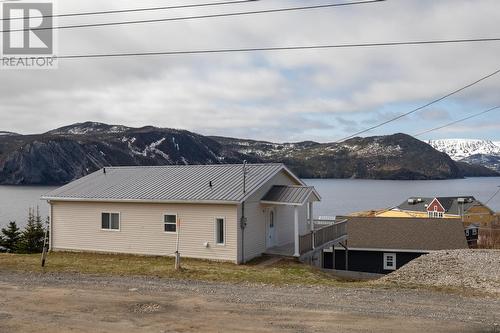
x=271 y=227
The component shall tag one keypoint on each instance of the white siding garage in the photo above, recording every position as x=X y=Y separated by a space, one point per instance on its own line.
x=144 y=210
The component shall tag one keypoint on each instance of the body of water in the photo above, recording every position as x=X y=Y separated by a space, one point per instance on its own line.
x=344 y=196
x=339 y=196
x=15 y=202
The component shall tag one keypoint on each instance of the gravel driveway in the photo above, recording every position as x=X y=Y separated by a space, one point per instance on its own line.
x=83 y=303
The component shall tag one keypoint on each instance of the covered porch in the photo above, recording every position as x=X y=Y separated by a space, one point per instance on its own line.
x=325 y=234
x=308 y=235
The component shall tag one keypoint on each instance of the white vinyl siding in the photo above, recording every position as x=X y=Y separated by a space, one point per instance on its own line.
x=142 y=229
x=257 y=218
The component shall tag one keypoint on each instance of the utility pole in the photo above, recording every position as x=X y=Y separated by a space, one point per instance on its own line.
x=243 y=222
x=45 y=245
x=177 y=254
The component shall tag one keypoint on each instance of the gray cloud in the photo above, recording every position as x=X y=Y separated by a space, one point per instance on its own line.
x=263 y=95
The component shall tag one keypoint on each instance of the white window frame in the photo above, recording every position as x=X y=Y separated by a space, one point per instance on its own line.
x=387 y=267
x=216 y=234
x=119 y=221
x=474 y=232
x=176 y=223
x=435 y=214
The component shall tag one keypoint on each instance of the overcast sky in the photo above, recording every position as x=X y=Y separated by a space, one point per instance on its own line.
x=320 y=95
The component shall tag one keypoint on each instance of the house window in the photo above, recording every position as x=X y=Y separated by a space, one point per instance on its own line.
x=390 y=261
x=435 y=214
x=474 y=232
x=110 y=221
x=467 y=232
x=220 y=231
x=170 y=223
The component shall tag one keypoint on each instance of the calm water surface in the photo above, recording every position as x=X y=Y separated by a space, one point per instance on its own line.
x=16 y=200
x=339 y=196
x=343 y=196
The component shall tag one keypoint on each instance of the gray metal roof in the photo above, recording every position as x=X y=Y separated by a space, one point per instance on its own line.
x=170 y=183
x=450 y=204
x=405 y=233
x=292 y=195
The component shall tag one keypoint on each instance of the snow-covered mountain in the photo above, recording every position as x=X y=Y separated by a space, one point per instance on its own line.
x=459 y=149
x=472 y=151
x=5 y=133
x=89 y=127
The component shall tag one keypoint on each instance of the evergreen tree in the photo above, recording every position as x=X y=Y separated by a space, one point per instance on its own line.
x=32 y=236
x=10 y=237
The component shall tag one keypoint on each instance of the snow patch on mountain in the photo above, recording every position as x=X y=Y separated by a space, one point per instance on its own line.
x=149 y=150
x=89 y=127
x=5 y=133
x=459 y=149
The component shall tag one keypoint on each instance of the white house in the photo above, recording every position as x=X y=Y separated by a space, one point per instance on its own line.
x=221 y=212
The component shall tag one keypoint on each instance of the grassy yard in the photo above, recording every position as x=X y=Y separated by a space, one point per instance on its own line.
x=281 y=273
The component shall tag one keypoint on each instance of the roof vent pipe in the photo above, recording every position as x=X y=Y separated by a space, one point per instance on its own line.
x=210 y=184
x=104 y=170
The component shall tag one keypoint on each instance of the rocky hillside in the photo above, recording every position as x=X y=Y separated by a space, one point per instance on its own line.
x=70 y=152
x=397 y=156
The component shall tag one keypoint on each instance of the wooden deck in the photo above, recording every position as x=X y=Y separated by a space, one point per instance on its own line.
x=324 y=235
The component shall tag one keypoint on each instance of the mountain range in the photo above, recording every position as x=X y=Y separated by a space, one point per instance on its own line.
x=70 y=152
x=472 y=151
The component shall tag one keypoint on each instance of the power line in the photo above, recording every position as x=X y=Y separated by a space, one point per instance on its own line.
x=288 y=9
x=131 y=10
x=498 y=191
x=458 y=121
x=276 y=48
x=421 y=107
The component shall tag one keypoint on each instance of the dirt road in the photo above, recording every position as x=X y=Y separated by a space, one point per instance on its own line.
x=76 y=303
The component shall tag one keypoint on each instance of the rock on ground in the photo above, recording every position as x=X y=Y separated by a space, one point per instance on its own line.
x=470 y=270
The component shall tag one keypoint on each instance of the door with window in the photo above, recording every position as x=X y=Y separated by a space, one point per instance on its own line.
x=271 y=227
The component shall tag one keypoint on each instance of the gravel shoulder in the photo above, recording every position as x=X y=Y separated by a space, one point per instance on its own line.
x=54 y=302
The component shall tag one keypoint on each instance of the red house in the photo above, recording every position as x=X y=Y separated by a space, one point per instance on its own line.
x=435 y=209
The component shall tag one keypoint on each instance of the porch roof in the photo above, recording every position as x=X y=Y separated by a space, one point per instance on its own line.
x=293 y=195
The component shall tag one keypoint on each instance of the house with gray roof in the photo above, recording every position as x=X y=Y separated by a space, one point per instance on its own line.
x=437 y=207
x=220 y=212
x=383 y=244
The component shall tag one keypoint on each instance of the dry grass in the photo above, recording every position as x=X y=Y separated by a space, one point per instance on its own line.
x=281 y=273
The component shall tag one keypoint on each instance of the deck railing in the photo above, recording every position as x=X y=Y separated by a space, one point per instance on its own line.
x=306 y=243
x=327 y=232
